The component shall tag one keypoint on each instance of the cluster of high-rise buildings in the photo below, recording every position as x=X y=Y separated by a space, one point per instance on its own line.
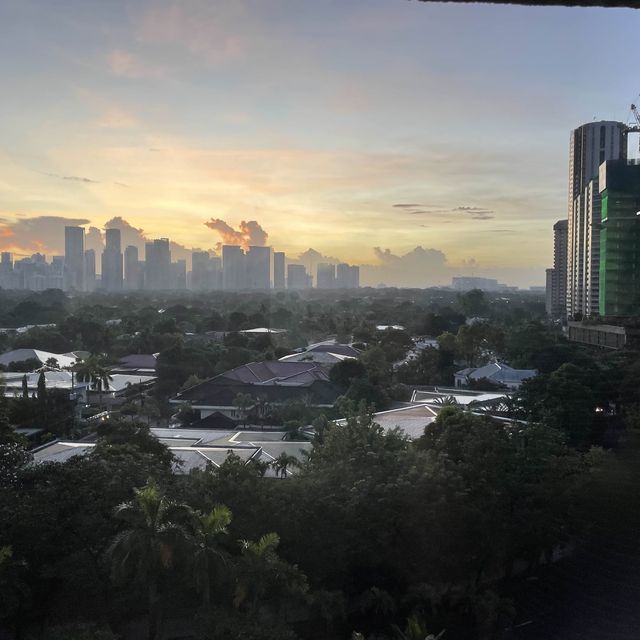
x=257 y=268
x=596 y=270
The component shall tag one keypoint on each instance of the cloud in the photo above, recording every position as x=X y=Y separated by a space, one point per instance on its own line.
x=117 y=118
x=93 y=240
x=409 y=206
x=129 y=234
x=43 y=234
x=128 y=65
x=312 y=258
x=137 y=237
x=206 y=31
x=247 y=234
x=72 y=178
x=420 y=267
x=473 y=212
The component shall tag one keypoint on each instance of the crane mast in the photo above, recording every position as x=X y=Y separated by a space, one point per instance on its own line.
x=636 y=127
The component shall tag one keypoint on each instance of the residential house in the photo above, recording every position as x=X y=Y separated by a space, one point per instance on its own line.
x=269 y=383
x=496 y=373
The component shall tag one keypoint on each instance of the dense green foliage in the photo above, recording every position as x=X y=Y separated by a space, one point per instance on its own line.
x=373 y=534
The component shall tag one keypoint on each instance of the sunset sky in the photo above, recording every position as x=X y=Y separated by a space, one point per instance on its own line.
x=314 y=118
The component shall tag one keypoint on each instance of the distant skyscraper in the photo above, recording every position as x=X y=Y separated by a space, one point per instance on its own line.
x=90 y=270
x=200 y=271
x=233 y=268
x=278 y=270
x=112 y=261
x=620 y=240
x=326 y=276
x=354 y=277
x=216 y=272
x=133 y=269
x=297 y=277
x=591 y=144
x=6 y=271
x=347 y=277
x=556 y=289
x=258 y=268
x=179 y=274
x=158 y=265
x=74 y=258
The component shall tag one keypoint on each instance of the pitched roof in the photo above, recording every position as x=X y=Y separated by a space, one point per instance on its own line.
x=20 y=355
x=410 y=420
x=332 y=347
x=321 y=357
x=214 y=393
x=272 y=372
x=497 y=372
x=138 y=361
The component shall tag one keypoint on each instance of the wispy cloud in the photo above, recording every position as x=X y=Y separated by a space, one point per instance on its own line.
x=129 y=65
x=206 y=30
x=473 y=212
x=72 y=178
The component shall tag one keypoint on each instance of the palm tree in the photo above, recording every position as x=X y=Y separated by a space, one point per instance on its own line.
x=416 y=629
x=263 y=575
x=207 y=530
x=93 y=370
x=282 y=463
x=147 y=547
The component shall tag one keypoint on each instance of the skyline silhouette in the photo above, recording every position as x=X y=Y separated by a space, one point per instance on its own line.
x=404 y=137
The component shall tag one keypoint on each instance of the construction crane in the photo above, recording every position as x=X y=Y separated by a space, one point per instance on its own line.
x=635 y=128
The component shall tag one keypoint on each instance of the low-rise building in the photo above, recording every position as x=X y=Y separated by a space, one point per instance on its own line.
x=197 y=449
x=269 y=383
x=63 y=360
x=496 y=373
x=608 y=336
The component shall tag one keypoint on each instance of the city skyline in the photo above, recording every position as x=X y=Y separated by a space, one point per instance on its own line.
x=237 y=268
x=407 y=138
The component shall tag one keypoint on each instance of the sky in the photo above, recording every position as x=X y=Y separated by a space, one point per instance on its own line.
x=420 y=140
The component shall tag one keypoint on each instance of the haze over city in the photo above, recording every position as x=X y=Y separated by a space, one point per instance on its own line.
x=419 y=141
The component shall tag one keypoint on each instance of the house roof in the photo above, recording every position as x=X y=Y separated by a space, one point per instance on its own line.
x=20 y=355
x=497 y=372
x=259 y=330
x=272 y=372
x=215 y=420
x=411 y=420
x=321 y=357
x=53 y=380
x=189 y=457
x=479 y=398
x=332 y=347
x=64 y=380
x=217 y=393
x=272 y=380
x=138 y=361
x=194 y=449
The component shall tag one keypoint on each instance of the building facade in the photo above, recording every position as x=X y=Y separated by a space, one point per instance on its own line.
x=233 y=268
x=326 y=276
x=74 y=258
x=258 y=265
x=590 y=145
x=297 y=277
x=278 y=270
x=556 y=285
x=158 y=273
x=112 y=277
x=620 y=240
x=89 y=270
